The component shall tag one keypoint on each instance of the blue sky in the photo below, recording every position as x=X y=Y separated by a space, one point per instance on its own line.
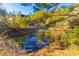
x=10 y=7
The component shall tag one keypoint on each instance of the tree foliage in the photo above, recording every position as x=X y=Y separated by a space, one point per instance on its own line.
x=43 y=6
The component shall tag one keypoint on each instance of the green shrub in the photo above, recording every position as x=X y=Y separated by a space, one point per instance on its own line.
x=3 y=24
x=70 y=37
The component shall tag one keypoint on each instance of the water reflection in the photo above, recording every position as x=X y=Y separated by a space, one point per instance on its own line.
x=30 y=44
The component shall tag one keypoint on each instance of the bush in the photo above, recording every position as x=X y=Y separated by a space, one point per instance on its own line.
x=40 y=17
x=70 y=37
x=3 y=24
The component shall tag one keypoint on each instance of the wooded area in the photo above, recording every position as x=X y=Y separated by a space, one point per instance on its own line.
x=56 y=30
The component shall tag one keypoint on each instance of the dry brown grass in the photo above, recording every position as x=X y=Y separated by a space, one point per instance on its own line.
x=48 y=52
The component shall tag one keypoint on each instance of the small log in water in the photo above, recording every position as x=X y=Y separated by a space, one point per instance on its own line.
x=22 y=32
